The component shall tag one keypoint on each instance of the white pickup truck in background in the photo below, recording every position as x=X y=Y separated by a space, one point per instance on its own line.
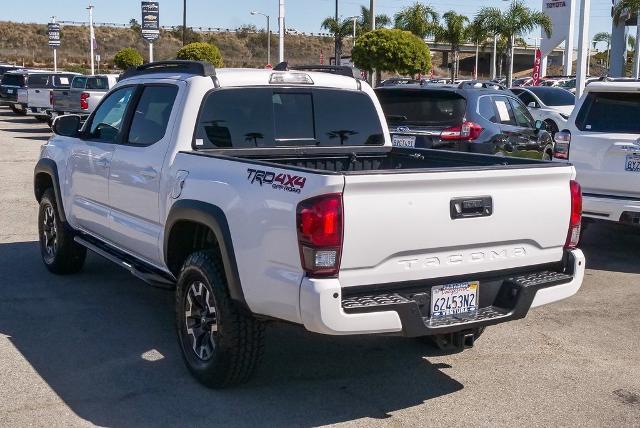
x=39 y=89
x=84 y=94
x=276 y=195
x=602 y=141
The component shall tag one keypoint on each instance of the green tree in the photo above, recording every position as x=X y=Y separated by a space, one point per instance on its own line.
x=420 y=19
x=340 y=29
x=364 y=22
x=453 y=31
x=394 y=51
x=517 y=21
x=127 y=58
x=201 y=51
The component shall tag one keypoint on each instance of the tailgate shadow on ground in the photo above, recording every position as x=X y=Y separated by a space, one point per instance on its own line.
x=105 y=343
x=619 y=254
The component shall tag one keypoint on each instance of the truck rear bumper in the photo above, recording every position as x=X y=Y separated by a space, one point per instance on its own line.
x=405 y=309
x=617 y=209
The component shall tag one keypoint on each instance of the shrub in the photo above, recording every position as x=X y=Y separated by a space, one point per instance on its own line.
x=201 y=51
x=127 y=58
x=394 y=50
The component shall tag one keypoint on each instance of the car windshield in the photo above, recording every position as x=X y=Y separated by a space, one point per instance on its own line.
x=554 y=96
x=13 y=80
x=422 y=107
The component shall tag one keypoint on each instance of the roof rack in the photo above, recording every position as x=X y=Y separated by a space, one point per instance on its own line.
x=198 y=68
x=481 y=84
x=341 y=70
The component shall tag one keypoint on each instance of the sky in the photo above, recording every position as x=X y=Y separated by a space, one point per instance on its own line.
x=300 y=14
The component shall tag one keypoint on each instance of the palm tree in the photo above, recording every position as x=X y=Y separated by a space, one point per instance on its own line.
x=453 y=31
x=517 y=21
x=340 y=30
x=604 y=37
x=478 y=34
x=620 y=10
x=420 y=19
x=364 y=22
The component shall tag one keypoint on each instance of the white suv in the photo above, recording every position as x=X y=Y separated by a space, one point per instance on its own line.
x=602 y=141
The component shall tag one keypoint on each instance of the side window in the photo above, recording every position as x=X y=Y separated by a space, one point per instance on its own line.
x=109 y=116
x=151 y=116
x=526 y=98
x=78 y=82
x=504 y=110
x=523 y=117
x=486 y=109
x=235 y=118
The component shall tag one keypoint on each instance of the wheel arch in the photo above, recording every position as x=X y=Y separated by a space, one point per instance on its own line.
x=187 y=229
x=45 y=176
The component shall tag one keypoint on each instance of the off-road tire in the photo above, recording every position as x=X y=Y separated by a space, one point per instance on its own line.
x=60 y=253
x=234 y=339
x=19 y=112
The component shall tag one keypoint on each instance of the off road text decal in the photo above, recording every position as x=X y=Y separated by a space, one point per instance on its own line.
x=285 y=182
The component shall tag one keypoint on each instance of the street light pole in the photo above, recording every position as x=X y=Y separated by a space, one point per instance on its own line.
x=338 y=55
x=268 y=34
x=92 y=38
x=55 y=51
x=583 y=45
x=355 y=20
x=184 y=22
x=372 y=12
x=281 y=30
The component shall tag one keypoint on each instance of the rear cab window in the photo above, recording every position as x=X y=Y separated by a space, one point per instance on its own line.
x=422 y=107
x=79 y=82
x=97 y=84
x=37 y=80
x=14 y=80
x=61 y=80
x=281 y=117
x=613 y=112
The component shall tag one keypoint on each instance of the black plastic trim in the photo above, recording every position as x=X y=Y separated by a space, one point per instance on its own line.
x=602 y=196
x=197 y=68
x=49 y=167
x=214 y=218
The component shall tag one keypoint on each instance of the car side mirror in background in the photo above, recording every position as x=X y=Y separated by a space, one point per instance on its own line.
x=532 y=104
x=67 y=125
x=540 y=125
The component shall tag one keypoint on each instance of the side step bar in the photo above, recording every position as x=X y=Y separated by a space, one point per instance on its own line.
x=137 y=269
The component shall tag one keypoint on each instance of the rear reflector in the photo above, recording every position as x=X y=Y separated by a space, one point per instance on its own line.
x=319 y=222
x=468 y=131
x=575 y=221
x=561 y=146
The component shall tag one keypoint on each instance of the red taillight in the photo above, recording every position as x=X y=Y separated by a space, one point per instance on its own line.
x=468 y=131
x=84 y=105
x=576 y=216
x=561 y=146
x=319 y=222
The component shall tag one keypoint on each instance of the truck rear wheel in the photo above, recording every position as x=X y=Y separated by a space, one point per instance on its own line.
x=18 y=111
x=60 y=253
x=221 y=343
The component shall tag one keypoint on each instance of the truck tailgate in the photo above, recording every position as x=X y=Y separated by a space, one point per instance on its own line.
x=401 y=226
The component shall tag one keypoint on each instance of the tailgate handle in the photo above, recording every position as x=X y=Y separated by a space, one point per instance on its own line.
x=479 y=206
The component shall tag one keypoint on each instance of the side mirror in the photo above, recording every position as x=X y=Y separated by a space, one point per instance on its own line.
x=540 y=125
x=532 y=104
x=67 y=125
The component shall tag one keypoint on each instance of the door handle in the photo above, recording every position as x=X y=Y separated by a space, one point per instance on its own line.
x=103 y=162
x=37 y=91
x=149 y=173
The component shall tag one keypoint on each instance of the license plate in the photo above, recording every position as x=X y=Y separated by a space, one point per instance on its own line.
x=632 y=162
x=403 y=141
x=454 y=299
x=10 y=91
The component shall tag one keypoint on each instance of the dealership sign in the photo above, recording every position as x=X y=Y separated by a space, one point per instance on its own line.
x=54 y=34
x=150 y=20
x=561 y=13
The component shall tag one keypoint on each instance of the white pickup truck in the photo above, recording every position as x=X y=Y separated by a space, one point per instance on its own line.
x=602 y=140
x=40 y=87
x=276 y=195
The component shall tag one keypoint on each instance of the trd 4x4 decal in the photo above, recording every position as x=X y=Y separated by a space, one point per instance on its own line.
x=285 y=182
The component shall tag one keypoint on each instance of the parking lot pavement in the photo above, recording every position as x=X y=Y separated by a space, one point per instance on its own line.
x=99 y=348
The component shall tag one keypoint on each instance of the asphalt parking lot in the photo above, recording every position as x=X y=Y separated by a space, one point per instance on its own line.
x=98 y=348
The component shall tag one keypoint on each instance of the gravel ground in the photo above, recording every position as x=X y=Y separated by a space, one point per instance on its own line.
x=98 y=348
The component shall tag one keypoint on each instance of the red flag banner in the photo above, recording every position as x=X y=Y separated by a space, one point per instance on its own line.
x=536 y=68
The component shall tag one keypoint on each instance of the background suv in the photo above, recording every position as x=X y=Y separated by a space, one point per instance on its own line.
x=471 y=117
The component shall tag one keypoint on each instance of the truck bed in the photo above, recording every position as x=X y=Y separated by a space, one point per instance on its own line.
x=354 y=161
